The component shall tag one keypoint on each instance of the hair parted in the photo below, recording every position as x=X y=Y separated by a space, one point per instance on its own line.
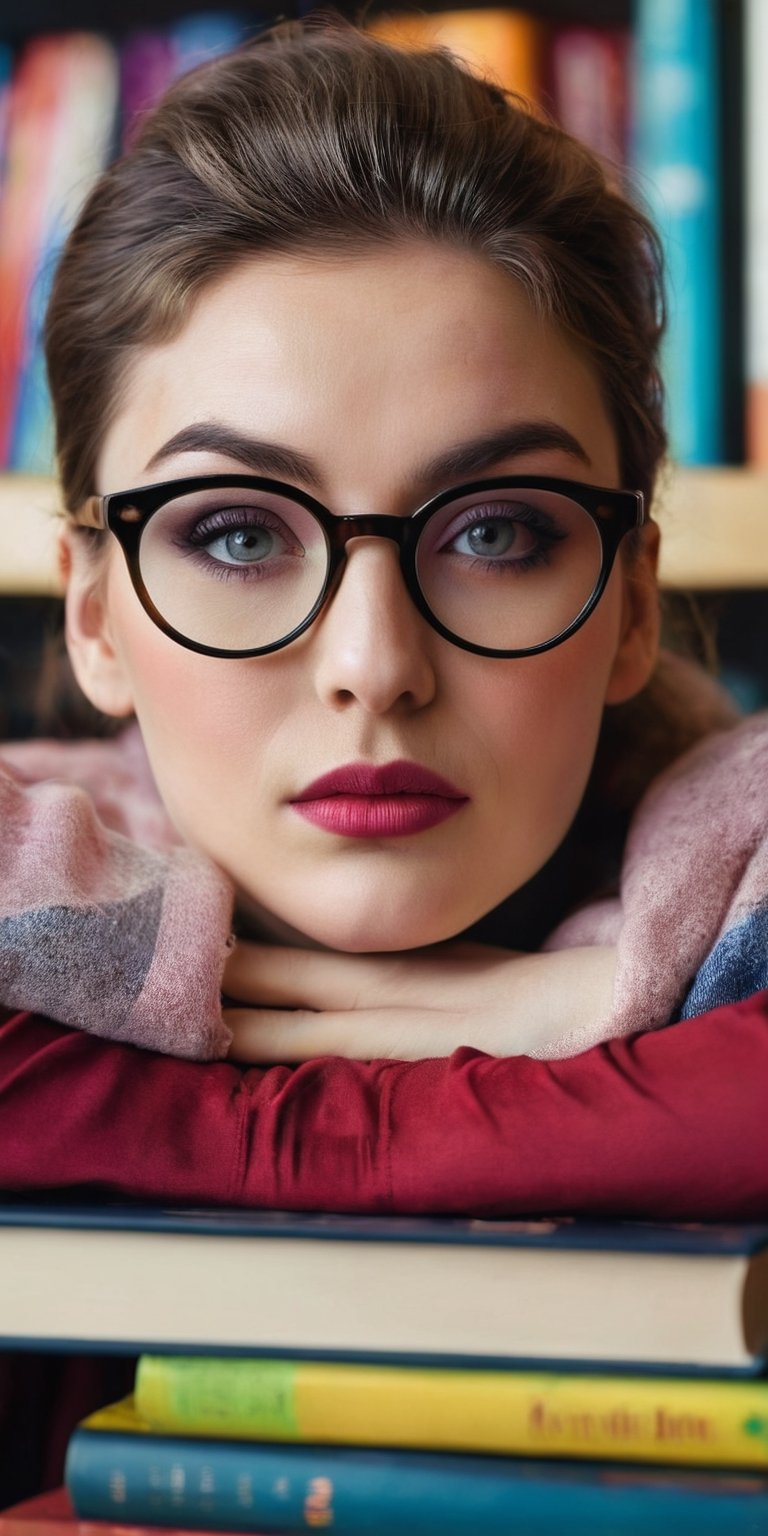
x=322 y=139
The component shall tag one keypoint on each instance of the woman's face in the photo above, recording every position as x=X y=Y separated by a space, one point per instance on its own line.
x=365 y=371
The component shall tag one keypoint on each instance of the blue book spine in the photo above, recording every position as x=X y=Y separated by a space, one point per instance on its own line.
x=197 y=38
x=677 y=157
x=32 y=445
x=5 y=86
x=219 y=1485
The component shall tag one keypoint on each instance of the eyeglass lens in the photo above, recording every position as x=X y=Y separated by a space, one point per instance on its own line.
x=240 y=569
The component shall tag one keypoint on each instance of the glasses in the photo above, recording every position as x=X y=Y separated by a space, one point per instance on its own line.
x=237 y=565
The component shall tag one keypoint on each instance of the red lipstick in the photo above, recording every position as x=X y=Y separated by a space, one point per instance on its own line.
x=394 y=800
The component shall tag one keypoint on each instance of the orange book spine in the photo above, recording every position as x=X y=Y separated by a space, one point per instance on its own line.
x=502 y=45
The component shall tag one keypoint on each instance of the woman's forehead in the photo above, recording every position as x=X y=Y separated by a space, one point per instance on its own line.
x=378 y=362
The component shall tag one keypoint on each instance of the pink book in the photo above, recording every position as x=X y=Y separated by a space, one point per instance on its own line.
x=146 y=68
x=51 y=1514
x=588 y=85
x=33 y=110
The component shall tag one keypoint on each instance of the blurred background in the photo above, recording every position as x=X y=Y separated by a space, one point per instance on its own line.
x=671 y=93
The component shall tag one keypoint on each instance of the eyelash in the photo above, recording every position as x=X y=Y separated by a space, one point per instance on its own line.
x=530 y=517
x=192 y=543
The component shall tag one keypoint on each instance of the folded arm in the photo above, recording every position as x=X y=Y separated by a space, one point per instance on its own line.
x=663 y=1125
x=296 y=1004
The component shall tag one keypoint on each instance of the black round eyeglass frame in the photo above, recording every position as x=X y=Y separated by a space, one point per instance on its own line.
x=126 y=514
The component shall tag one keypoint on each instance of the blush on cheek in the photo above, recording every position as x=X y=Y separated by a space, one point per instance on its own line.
x=542 y=719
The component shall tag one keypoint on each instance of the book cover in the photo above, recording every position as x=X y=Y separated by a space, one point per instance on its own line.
x=756 y=73
x=33 y=108
x=51 y=1514
x=196 y=38
x=402 y=1289
x=588 y=84
x=80 y=140
x=676 y=154
x=146 y=68
x=520 y=1413
x=5 y=95
x=502 y=44
x=114 y=1463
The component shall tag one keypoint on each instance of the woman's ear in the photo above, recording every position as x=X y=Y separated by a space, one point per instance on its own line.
x=638 y=645
x=95 y=662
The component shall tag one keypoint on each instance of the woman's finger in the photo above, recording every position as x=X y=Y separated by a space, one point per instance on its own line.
x=298 y=978
x=318 y=979
x=261 y=1035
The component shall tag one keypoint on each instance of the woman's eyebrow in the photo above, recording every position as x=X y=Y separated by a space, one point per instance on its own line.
x=263 y=458
x=457 y=462
x=480 y=453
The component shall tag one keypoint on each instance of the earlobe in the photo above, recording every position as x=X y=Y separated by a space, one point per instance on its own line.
x=95 y=661
x=638 y=646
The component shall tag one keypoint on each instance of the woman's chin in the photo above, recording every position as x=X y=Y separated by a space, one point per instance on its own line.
x=383 y=928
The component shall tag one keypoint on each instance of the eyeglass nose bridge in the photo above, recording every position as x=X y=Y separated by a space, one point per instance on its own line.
x=402 y=531
x=341 y=530
x=371 y=525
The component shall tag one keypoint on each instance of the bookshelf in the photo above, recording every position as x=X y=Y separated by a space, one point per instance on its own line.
x=714 y=522
x=698 y=551
x=18 y=22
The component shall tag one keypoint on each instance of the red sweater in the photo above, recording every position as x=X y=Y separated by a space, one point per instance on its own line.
x=668 y=1124
x=671 y=1124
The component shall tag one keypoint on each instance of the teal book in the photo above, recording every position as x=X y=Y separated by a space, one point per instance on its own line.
x=117 y=1470
x=195 y=39
x=677 y=155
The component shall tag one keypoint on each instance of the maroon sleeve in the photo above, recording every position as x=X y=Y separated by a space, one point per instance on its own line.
x=672 y=1124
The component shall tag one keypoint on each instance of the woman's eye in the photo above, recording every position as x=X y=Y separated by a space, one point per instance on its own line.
x=238 y=536
x=492 y=537
x=245 y=546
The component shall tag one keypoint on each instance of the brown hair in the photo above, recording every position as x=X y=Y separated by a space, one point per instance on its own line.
x=323 y=139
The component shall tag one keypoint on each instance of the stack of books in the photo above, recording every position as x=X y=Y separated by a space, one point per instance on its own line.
x=372 y=1374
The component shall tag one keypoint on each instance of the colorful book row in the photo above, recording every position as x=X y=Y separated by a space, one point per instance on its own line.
x=73 y=98
x=66 y=104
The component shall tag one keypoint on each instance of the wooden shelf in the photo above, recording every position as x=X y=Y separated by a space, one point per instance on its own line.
x=28 y=530
x=714 y=528
x=714 y=522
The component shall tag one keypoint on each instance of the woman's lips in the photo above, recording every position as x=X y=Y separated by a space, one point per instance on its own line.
x=393 y=800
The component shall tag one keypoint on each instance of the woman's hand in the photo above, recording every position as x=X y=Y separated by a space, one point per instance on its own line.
x=299 y=1004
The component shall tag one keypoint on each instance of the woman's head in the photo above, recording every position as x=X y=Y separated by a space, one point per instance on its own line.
x=328 y=141
x=363 y=274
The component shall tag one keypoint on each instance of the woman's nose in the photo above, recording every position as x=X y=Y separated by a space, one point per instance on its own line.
x=371 y=644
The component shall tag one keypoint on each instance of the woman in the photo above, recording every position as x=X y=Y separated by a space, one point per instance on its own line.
x=357 y=362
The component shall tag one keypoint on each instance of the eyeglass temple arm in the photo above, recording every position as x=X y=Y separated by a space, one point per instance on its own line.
x=91 y=513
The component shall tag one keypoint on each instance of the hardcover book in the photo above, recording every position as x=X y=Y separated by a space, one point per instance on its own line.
x=588 y=69
x=113 y=1463
x=51 y=1514
x=72 y=149
x=404 y=1289
x=516 y=1413
x=677 y=134
x=500 y=43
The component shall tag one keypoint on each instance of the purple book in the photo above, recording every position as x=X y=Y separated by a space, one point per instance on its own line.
x=146 y=68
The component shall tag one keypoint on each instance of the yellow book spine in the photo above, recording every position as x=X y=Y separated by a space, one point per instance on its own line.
x=525 y=1413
